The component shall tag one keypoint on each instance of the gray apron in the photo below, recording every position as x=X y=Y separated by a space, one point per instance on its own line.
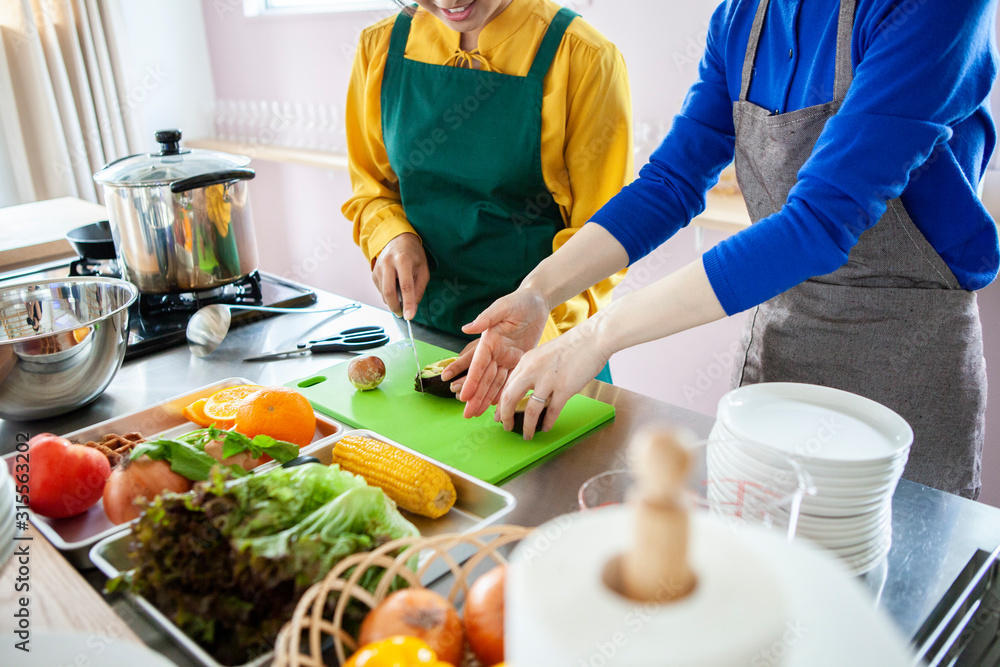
x=892 y=324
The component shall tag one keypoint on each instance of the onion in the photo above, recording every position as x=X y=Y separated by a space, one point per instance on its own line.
x=420 y=613
x=141 y=478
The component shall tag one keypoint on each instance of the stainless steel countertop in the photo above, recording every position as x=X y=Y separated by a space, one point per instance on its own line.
x=934 y=534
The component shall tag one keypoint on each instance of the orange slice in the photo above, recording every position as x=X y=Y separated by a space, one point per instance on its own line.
x=196 y=413
x=222 y=405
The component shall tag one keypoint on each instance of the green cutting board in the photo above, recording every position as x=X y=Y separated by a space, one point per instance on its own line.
x=435 y=426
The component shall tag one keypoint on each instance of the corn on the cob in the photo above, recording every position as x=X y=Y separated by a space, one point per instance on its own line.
x=415 y=484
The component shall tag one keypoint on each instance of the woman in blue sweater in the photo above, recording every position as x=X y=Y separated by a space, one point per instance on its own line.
x=860 y=131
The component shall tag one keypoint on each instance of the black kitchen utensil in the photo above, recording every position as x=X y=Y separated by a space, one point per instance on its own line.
x=300 y=461
x=93 y=241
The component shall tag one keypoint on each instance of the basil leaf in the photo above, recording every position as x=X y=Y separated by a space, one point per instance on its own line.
x=185 y=459
x=279 y=450
x=235 y=443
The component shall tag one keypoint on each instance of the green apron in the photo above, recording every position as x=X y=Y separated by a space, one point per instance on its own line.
x=466 y=147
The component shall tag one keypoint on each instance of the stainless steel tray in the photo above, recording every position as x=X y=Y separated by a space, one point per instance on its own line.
x=478 y=505
x=110 y=555
x=76 y=535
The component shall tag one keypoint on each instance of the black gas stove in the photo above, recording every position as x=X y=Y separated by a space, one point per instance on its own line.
x=159 y=321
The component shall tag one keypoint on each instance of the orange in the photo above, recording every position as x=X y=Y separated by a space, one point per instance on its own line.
x=221 y=406
x=196 y=413
x=280 y=412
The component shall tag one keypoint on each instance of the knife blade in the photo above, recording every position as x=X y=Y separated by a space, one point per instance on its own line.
x=409 y=333
x=416 y=358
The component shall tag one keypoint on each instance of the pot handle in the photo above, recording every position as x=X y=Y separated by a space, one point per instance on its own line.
x=211 y=178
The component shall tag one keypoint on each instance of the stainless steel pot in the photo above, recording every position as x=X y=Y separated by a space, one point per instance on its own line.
x=181 y=219
x=61 y=342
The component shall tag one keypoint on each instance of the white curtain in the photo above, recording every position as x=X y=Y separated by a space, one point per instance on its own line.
x=60 y=115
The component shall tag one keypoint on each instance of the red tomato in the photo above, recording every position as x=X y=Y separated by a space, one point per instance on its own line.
x=64 y=479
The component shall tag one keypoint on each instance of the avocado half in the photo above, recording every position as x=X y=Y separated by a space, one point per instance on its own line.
x=519 y=415
x=431 y=377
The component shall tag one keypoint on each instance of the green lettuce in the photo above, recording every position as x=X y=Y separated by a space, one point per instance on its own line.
x=228 y=561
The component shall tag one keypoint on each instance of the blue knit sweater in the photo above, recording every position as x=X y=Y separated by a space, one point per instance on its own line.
x=915 y=123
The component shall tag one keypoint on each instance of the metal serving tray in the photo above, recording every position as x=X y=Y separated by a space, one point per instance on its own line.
x=478 y=505
x=110 y=555
x=76 y=535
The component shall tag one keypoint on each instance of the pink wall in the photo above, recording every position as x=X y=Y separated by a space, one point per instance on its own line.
x=304 y=236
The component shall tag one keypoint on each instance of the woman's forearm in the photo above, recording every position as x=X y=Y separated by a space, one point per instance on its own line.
x=589 y=257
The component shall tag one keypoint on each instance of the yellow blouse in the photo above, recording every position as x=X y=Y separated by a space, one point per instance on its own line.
x=586 y=126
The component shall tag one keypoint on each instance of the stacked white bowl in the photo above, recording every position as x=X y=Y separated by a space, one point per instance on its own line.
x=7 y=511
x=854 y=450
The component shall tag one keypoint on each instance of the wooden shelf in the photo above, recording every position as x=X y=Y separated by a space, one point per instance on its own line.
x=723 y=212
x=311 y=158
x=36 y=233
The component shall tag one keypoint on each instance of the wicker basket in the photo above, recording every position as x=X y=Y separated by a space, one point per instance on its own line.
x=300 y=641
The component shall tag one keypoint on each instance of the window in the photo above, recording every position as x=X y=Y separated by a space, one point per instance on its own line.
x=261 y=7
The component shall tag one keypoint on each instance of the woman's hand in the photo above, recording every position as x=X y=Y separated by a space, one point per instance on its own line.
x=460 y=365
x=555 y=371
x=510 y=327
x=402 y=263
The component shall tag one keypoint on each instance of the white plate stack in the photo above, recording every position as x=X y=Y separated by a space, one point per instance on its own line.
x=853 y=448
x=7 y=510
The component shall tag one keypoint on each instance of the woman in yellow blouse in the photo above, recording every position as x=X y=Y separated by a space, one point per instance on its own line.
x=482 y=135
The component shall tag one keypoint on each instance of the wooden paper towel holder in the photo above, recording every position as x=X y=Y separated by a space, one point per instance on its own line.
x=656 y=568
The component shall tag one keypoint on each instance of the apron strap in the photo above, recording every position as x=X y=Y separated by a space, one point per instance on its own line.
x=400 y=34
x=752 y=44
x=845 y=67
x=844 y=72
x=550 y=43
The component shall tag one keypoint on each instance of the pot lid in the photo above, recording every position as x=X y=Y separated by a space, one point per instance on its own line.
x=170 y=164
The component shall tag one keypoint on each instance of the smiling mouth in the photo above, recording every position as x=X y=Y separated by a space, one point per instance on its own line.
x=458 y=13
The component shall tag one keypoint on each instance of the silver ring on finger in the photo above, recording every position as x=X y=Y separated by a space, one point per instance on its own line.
x=543 y=401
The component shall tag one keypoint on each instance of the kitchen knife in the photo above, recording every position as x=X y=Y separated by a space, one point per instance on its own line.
x=416 y=359
x=409 y=333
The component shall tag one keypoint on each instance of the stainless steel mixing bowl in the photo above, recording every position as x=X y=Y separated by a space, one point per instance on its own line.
x=61 y=343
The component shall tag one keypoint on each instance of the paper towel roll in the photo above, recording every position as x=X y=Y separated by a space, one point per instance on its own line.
x=560 y=612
